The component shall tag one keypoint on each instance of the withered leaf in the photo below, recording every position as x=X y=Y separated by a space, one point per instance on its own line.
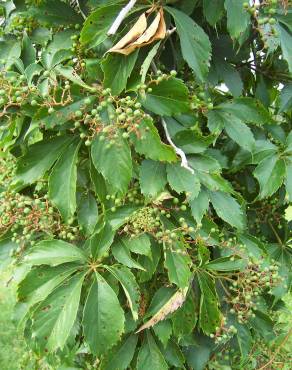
x=140 y=35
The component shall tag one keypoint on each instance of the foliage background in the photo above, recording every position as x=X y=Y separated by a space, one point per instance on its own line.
x=146 y=178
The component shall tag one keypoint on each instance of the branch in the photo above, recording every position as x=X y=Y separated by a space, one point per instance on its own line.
x=121 y=16
x=184 y=161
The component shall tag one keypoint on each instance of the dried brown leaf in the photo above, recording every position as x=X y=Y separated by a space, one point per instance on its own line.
x=156 y=31
x=135 y=32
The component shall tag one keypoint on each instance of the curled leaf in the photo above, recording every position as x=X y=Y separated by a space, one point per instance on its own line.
x=139 y=35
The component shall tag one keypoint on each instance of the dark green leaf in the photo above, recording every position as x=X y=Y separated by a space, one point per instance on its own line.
x=195 y=44
x=103 y=317
x=114 y=162
x=62 y=182
x=152 y=177
x=167 y=98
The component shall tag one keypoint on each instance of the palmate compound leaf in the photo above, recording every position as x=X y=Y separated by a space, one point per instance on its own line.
x=54 y=253
x=114 y=162
x=131 y=288
x=103 y=317
x=55 y=317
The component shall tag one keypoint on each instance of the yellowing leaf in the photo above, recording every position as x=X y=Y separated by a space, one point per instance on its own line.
x=139 y=35
x=174 y=303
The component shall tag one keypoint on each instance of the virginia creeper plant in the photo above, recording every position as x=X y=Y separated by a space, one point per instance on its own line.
x=146 y=167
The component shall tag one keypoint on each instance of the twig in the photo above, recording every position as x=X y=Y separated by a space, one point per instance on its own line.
x=121 y=16
x=184 y=161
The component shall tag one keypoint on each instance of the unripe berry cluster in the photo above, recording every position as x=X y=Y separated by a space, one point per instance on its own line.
x=248 y=285
x=29 y=220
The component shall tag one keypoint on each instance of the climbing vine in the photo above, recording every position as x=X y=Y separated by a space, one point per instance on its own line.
x=145 y=180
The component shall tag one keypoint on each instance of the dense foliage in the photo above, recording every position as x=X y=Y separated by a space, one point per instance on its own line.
x=145 y=174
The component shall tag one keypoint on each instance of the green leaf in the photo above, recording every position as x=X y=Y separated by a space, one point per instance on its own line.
x=149 y=356
x=62 y=182
x=129 y=285
x=99 y=185
x=55 y=12
x=200 y=205
x=209 y=312
x=226 y=264
x=150 y=264
x=181 y=180
x=286 y=98
x=163 y=331
x=237 y=17
x=40 y=282
x=140 y=244
x=39 y=159
x=101 y=241
x=54 y=253
x=28 y=54
x=177 y=264
x=70 y=74
x=247 y=110
x=286 y=41
x=152 y=177
x=60 y=115
x=147 y=141
x=96 y=26
x=289 y=180
x=195 y=44
x=122 y=358
x=147 y=62
x=192 y=142
x=170 y=306
x=114 y=162
x=167 y=98
x=270 y=174
x=87 y=213
x=103 y=317
x=173 y=355
x=244 y=339
x=240 y=133
x=213 y=10
x=118 y=65
x=122 y=254
x=55 y=317
x=198 y=355
x=185 y=318
x=228 y=209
